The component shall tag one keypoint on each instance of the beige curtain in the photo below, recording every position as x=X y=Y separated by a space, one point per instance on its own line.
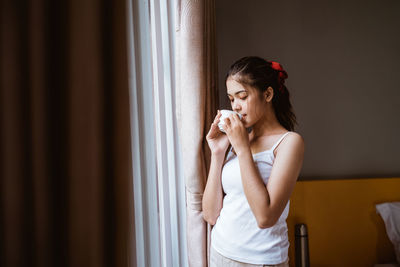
x=65 y=161
x=197 y=99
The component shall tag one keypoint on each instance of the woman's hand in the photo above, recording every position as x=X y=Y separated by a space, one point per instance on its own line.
x=237 y=133
x=217 y=140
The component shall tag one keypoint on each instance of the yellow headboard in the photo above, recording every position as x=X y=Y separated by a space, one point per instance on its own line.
x=343 y=226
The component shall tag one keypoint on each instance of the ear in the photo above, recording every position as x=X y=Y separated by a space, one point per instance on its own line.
x=268 y=94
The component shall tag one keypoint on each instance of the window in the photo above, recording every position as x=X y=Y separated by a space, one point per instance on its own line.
x=159 y=201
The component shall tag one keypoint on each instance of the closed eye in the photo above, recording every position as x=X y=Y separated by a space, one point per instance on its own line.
x=242 y=98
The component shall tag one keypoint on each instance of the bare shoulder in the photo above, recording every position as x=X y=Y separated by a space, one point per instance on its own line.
x=292 y=143
x=294 y=137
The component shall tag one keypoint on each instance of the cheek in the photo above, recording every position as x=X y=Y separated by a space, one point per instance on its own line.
x=258 y=110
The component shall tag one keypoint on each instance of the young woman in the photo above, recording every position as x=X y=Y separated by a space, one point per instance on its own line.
x=252 y=175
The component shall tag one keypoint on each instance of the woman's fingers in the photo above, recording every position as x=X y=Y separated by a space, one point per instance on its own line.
x=216 y=119
x=235 y=117
x=214 y=129
x=225 y=127
x=236 y=120
x=227 y=121
x=213 y=125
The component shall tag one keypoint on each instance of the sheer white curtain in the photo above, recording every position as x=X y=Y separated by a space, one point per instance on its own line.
x=159 y=201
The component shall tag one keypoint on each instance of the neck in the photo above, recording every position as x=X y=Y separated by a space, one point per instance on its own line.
x=268 y=124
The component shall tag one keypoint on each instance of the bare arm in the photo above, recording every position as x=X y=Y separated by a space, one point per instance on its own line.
x=213 y=193
x=267 y=202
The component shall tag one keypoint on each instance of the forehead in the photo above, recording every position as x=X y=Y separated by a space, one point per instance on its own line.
x=234 y=87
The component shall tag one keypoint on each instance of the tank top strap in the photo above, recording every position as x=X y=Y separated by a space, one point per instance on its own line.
x=279 y=141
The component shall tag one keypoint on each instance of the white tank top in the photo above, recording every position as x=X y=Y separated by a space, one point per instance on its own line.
x=236 y=234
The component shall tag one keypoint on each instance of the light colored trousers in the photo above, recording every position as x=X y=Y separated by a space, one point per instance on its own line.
x=217 y=260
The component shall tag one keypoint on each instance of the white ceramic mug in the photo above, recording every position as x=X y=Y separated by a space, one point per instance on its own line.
x=225 y=113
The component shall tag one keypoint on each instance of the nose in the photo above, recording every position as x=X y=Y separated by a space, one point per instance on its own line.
x=236 y=106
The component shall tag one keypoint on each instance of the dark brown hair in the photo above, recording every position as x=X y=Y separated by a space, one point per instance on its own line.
x=260 y=74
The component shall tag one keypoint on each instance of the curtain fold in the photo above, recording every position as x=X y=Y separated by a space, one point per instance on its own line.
x=65 y=159
x=197 y=99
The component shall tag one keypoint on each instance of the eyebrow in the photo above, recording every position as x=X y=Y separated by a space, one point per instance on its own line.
x=238 y=92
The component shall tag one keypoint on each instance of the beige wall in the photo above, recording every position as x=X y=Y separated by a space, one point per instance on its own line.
x=342 y=58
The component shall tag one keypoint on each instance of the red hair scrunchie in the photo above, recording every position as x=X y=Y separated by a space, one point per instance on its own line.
x=282 y=74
